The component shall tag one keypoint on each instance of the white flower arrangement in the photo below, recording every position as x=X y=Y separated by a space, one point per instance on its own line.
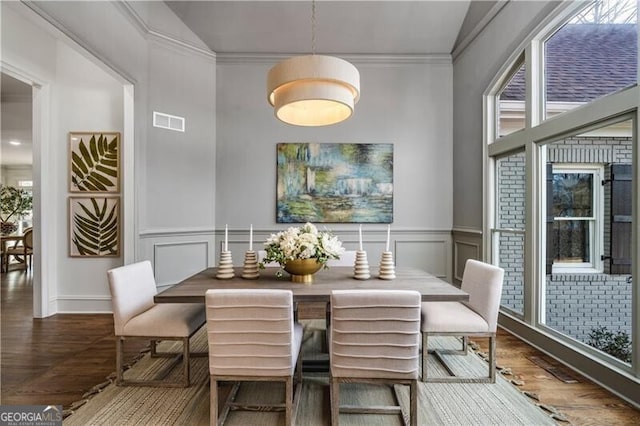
x=305 y=242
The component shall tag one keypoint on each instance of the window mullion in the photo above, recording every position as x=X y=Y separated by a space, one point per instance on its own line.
x=534 y=92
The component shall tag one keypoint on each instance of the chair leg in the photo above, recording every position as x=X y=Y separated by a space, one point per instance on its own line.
x=119 y=356
x=334 y=391
x=413 y=396
x=213 y=402
x=489 y=378
x=288 y=414
x=492 y=358
x=425 y=354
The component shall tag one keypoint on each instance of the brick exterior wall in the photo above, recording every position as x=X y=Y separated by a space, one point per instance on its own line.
x=575 y=303
x=511 y=193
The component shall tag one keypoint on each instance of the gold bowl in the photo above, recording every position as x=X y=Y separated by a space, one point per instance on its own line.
x=302 y=270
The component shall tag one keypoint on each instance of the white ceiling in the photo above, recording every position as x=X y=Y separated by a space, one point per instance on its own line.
x=349 y=27
x=16 y=122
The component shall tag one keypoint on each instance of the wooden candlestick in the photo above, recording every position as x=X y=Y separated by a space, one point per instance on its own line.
x=361 y=267
x=387 y=266
x=225 y=267
x=250 y=269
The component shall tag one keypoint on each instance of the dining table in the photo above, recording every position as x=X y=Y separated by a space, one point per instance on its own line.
x=432 y=288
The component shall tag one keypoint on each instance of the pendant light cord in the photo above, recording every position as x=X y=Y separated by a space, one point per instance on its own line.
x=313 y=27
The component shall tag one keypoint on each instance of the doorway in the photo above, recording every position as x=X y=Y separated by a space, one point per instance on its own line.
x=16 y=178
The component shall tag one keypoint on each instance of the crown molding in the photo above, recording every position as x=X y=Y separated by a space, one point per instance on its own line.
x=61 y=31
x=233 y=58
x=157 y=35
x=480 y=26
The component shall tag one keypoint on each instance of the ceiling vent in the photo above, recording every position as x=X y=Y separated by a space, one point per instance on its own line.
x=166 y=121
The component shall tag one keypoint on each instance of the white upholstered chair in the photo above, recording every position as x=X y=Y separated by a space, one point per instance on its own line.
x=375 y=338
x=253 y=337
x=136 y=316
x=476 y=318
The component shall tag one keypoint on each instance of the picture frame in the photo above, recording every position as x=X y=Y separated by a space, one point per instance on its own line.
x=334 y=183
x=94 y=226
x=94 y=162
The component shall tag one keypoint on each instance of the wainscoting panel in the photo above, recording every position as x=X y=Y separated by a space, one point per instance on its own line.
x=467 y=244
x=432 y=256
x=174 y=262
x=177 y=254
x=429 y=250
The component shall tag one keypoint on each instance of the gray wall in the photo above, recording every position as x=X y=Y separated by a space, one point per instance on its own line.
x=222 y=169
x=174 y=172
x=408 y=105
x=404 y=103
x=473 y=70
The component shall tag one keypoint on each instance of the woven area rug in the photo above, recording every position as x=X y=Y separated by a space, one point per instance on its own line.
x=440 y=403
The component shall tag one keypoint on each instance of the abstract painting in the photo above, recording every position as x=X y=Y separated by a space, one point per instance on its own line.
x=334 y=183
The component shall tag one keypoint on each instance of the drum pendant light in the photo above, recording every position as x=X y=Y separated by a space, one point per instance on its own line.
x=313 y=90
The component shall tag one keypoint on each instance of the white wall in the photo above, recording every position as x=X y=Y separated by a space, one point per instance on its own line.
x=86 y=98
x=82 y=97
x=171 y=170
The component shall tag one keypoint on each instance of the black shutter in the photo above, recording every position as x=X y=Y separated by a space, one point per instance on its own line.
x=550 y=235
x=621 y=199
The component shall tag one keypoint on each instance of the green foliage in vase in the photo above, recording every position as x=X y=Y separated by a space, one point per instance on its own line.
x=616 y=344
x=14 y=202
x=96 y=229
x=94 y=167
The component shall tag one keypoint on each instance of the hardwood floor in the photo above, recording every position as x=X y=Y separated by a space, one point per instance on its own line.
x=51 y=361
x=57 y=359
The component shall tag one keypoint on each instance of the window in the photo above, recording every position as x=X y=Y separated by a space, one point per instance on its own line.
x=511 y=103
x=576 y=216
x=577 y=220
x=592 y=55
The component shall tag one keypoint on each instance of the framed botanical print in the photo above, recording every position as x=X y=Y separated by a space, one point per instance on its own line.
x=94 y=226
x=94 y=162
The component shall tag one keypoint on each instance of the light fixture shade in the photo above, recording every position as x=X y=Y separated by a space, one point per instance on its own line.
x=313 y=90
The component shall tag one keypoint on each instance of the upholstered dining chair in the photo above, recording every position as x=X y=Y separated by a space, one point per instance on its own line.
x=476 y=318
x=253 y=337
x=136 y=316
x=375 y=338
x=24 y=250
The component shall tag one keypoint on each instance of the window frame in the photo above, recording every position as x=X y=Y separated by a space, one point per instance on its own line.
x=614 y=107
x=596 y=228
